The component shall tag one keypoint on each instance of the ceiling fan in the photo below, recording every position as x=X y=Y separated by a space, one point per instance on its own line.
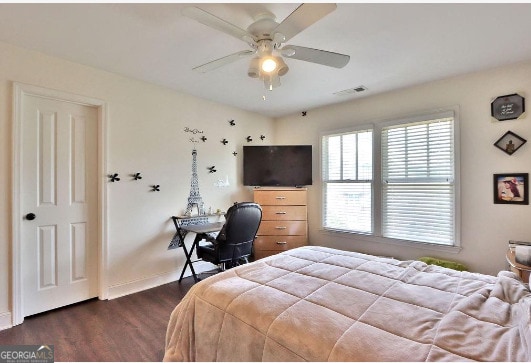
x=266 y=38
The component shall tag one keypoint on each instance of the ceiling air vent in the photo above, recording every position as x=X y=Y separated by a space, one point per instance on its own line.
x=351 y=91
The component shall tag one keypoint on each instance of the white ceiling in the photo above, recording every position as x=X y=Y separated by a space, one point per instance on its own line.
x=391 y=46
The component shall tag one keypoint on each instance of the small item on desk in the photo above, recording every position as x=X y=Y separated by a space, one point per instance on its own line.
x=522 y=255
x=513 y=243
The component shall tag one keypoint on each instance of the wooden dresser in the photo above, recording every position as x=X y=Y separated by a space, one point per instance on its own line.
x=284 y=220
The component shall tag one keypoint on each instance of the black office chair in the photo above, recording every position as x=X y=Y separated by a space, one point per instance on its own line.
x=234 y=243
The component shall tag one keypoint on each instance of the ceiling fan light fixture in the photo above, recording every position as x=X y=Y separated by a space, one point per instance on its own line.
x=275 y=80
x=269 y=64
x=282 y=66
x=271 y=81
x=254 y=68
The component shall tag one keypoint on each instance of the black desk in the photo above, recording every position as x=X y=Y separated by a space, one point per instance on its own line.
x=200 y=230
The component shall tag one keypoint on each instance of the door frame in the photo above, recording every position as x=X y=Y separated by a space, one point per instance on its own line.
x=19 y=91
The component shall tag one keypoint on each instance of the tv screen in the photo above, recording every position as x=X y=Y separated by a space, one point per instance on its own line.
x=281 y=165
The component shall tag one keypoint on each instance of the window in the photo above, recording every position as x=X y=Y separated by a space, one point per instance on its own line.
x=347 y=181
x=414 y=196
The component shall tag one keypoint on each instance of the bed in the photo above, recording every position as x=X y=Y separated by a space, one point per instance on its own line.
x=320 y=304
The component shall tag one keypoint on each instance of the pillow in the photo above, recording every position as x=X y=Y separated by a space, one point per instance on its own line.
x=444 y=263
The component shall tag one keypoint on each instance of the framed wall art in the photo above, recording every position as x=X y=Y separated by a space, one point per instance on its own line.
x=511 y=188
x=510 y=142
x=508 y=107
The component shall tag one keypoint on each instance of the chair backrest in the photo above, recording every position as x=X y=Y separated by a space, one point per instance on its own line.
x=236 y=238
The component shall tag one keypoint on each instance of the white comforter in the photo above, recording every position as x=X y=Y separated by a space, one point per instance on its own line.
x=320 y=304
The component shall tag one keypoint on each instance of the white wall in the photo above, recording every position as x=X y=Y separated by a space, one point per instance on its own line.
x=145 y=134
x=486 y=227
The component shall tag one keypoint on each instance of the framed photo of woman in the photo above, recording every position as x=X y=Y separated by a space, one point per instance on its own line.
x=511 y=188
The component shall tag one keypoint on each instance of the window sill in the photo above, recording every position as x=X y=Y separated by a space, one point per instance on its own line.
x=390 y=241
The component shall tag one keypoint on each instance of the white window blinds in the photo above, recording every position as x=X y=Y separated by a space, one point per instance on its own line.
x=418 y=187
x=347 y=181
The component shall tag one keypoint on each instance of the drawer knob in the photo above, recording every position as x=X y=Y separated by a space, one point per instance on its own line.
x=280 y=227
x=280 y=213
x=280 y=197
x=282 y=243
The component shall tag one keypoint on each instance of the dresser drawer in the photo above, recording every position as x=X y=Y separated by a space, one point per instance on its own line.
x=284 y=213
x=280 y=197
x=283 y=228
x=279 y=243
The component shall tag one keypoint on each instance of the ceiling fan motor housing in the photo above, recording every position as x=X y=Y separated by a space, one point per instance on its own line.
x=261 y=29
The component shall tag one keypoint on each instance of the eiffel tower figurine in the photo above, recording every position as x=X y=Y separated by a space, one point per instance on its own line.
x=195 y=198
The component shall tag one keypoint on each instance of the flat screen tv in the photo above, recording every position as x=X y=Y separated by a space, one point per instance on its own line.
x=280 y=165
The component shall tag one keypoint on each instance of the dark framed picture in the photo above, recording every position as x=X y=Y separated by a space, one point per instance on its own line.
x=508 y=107
x=510 y=142
x=511 y=188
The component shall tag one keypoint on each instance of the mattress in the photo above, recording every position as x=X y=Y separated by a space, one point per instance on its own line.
x=320 y=304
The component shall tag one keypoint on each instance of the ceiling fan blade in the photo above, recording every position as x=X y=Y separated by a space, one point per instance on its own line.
x=213 y=21
x=304 y=16
x=323 y=57
x=223 y=61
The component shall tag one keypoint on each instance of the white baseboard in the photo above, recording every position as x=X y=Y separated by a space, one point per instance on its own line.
x=5 y=321
x=131 y=287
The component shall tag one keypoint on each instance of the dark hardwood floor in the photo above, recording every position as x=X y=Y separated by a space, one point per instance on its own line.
x=130 y=328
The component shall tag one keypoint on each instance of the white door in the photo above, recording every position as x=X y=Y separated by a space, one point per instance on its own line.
x=59 y=247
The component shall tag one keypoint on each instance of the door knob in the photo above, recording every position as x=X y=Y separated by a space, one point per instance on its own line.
x=30 y=216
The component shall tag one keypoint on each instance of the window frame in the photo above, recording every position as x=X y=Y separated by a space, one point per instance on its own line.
x=377 y=191
x=356 y=129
